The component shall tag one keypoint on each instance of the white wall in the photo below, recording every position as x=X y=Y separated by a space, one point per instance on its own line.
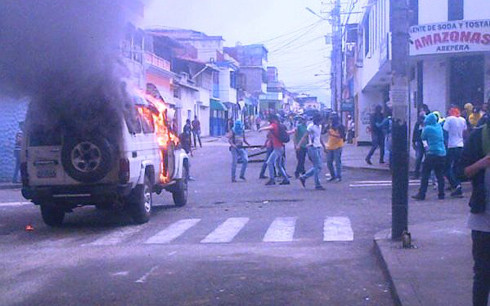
x=226 y=93
x=435 y=84
x=203 y=110
x=379 y=21
x=476 y=9
x=431 y=11
x=367 y=101
x=187 y=102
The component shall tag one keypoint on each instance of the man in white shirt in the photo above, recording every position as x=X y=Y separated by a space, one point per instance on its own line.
x=315 y=145
x=455 y=126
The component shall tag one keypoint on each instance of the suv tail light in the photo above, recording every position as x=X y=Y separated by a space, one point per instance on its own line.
x=124 y=170
x=24 y=174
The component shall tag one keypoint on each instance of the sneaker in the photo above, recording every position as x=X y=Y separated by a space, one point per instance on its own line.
x=271 y=182
x=368 y=161
x=457 y=193
x=381 y=161
x=243 y=178
x=418 y=197
x=284 y=182
x=440 y=197
x=303 y=181
x=190 y=178
x=338 y=180
x=331 y=179
x=233 y=180
x=320 y=187
x=263 y=177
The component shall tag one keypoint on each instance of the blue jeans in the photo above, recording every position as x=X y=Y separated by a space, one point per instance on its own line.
x=264 y=164
x=235 y=152
x=315 y=155
x=277 y=156
x=335 y=156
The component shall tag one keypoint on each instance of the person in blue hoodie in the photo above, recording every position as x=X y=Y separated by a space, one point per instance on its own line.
x=435 y=157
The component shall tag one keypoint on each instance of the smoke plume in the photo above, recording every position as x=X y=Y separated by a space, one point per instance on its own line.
x=65 y=56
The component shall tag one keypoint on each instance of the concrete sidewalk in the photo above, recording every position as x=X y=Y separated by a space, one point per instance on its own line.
x=353 y=157
x=438 y=271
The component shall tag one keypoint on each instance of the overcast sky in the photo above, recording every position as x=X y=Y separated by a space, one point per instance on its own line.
x=293 y=35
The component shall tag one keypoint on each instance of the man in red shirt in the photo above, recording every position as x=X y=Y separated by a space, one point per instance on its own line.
x=277 y=153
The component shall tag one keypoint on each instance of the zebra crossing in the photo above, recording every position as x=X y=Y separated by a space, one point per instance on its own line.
x=279 y=230
x=379 y=183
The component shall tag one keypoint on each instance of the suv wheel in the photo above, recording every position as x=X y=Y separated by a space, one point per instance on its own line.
x=87 y=160
x=140 y=202
x=180 y=192
x=52 y=215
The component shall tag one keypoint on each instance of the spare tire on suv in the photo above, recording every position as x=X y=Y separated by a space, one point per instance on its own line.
x=87 y=160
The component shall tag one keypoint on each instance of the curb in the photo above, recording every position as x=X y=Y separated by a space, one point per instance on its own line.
x=10 y=186
x=365 y=168
x=386 y=235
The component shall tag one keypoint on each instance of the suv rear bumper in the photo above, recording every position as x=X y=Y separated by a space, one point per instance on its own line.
x=76 y=194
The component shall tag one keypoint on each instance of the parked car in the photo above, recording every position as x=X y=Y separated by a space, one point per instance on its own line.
x=62 y=169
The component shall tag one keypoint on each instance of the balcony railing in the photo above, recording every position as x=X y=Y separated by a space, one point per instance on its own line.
x=157 y=61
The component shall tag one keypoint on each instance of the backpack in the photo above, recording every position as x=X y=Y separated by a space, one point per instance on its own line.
x=283 y=133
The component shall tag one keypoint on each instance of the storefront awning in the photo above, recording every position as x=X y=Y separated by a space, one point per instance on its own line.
x=217 y=105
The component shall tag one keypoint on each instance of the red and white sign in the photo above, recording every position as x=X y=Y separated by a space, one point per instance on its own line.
x=450 y=37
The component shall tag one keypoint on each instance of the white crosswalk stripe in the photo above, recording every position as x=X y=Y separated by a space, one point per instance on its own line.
x=172 y=231
x=281 y=230
x=116 y=236
x=226 y=231
x=337 y=229
x=357 y=184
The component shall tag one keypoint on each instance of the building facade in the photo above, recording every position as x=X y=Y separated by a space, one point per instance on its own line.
x=449 y=58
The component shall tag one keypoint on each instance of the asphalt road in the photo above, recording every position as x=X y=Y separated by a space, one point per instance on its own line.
x=242 y=243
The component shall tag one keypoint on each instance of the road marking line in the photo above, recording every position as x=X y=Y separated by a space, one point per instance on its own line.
x=376 y=182
x=226 y=231
x=337 y=229
x=281 y=230
x=144 y=277
x=172 y=231
x=15 y=203
x=379 y=185
x=115 y=237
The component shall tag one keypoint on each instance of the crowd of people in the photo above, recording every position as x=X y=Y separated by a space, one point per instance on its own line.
x=312 y=138
x=452 y=148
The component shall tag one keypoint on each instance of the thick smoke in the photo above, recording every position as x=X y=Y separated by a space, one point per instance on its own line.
x=65 y=56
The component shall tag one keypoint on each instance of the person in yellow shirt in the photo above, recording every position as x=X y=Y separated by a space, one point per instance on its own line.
x=475 y=116
x=335 y=143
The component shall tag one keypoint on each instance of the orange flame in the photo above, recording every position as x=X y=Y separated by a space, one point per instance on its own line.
x=165 y=136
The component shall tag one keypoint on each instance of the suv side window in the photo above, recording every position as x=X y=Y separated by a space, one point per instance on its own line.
x=133 y=121
x=146 y=117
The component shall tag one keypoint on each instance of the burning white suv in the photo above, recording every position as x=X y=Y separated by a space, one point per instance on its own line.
x=62 y=169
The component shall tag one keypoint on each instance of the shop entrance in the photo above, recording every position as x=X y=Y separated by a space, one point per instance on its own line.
x=466 y=80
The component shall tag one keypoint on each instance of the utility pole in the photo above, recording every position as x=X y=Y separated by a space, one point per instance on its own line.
x=399 y=22
x=336 y=67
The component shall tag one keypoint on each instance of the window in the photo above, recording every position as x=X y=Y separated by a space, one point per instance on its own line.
x=177 y=92
x=132 y=121
x=233 y=82
x=455 y=10
x=366 y=36
x=146 y=117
